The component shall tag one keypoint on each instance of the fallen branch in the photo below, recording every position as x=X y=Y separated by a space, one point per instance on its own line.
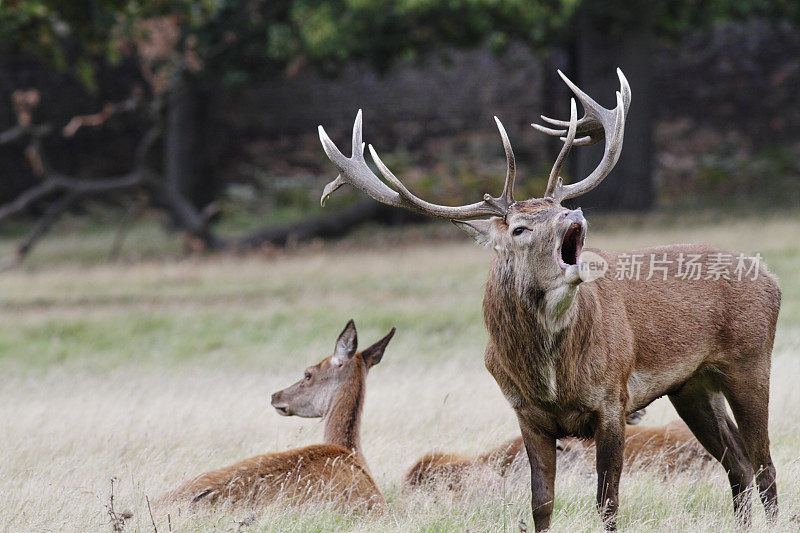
x=42 y=226
x=334 y=225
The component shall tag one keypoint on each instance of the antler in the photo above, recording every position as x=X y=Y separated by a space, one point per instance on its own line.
x=555 y=182
x=597 y=123
x=354 y=170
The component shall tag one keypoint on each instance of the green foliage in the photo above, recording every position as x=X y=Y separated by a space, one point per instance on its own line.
x=241 y=39
x=237 y=40
x=51 y=29
x=676 y=17
x=379 y=31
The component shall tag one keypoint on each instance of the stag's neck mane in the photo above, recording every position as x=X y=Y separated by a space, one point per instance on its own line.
x=523 y=318
x=343 y=419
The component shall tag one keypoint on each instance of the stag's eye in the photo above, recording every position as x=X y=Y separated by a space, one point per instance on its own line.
x=307 y=376
x=518 y=231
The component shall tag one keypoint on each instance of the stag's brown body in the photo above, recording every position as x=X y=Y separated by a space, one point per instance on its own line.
x=626 y=341
x=577 y=368
x=669 y=448
x=574 y=354
x=334 y=471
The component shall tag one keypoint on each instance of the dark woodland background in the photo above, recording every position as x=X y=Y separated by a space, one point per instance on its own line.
x=203 y=114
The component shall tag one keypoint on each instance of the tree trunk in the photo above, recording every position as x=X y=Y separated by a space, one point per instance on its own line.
x=185 y=164
x=629 y=187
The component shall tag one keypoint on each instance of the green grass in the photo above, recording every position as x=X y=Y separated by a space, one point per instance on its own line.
x=159 y=367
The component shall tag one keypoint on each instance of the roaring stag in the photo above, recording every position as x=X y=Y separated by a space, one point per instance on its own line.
x=335 y=471
x=574 y=357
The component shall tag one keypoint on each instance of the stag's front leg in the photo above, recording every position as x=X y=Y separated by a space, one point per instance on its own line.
x=610 y=442
x=541 y=450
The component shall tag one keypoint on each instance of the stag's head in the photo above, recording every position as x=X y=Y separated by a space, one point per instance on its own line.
x=313 y=395
x=539 y=239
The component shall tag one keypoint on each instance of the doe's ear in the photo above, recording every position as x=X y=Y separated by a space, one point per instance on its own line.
x=346 y=344
x=480 y=230
x=373 y=355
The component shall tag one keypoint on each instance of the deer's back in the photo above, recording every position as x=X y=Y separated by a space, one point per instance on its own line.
x=317 y=473
x=437 y=468
x=667 y=448
x=504 y=456
x=660 y=297
x=671 y=325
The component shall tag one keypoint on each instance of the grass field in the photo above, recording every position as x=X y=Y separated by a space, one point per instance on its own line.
x=153 y=370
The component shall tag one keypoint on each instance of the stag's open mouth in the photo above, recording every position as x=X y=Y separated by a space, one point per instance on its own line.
x=282 y=410
x=571 y=245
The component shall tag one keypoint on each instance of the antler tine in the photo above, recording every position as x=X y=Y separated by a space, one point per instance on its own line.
x=590 y=129
x=555 y=183
x=354 y=170
x=597 y=123
x=625 y=89
x=613 y=149
x=511 y=166
x=358 y=140
x=561 y=134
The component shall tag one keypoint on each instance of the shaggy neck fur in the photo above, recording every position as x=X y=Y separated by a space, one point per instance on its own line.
x=530 y=328
x=555 y=309
x=343 y=419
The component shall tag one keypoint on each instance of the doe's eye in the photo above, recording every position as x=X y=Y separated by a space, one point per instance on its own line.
x=307 y=376
x=518 y=231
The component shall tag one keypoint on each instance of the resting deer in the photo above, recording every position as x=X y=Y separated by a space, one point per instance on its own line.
x=334 y=471
x=669 y=448
x=573 y=357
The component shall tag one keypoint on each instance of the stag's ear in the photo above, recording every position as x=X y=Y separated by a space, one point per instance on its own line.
x=373 y=355
x=480 y=230
x=346 y=344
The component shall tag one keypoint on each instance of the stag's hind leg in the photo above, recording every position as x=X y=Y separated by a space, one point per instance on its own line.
x=748 y=396
x=703 y=410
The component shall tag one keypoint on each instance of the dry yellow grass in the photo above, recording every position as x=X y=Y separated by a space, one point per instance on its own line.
x=156 y=371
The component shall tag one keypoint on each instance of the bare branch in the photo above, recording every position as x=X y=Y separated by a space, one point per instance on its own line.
x=96 y=119
x=53 y=212
x=26 y=199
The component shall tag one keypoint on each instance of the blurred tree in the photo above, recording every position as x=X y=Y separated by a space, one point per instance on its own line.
x=187 y=49
x=623 y=33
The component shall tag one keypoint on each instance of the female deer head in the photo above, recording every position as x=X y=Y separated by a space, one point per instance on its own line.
x=333 y=389
x=335 y=471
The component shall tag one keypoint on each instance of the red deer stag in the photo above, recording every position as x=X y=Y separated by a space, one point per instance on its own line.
x=573 y=358
x=335 y=471
x=669 y=448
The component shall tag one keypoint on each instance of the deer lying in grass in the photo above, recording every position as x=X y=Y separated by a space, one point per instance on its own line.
x=668 y=448
x=573 y=357
x=334 y=471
